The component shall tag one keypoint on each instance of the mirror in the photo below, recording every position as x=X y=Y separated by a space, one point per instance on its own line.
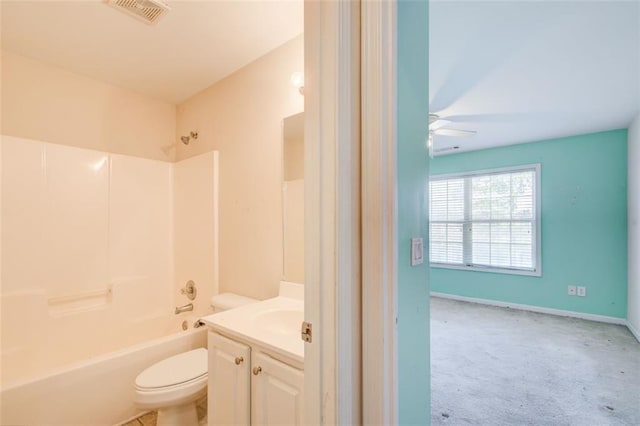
x=293 y=198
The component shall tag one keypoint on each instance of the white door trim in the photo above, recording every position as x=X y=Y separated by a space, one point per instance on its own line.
x=348 y=216
x=379 y=205
x=350 y=221
x=332 y=212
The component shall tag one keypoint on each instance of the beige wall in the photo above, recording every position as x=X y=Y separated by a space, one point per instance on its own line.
x=241 y=117
x=48 y=104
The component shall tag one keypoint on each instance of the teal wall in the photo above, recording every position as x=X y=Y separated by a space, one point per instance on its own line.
x=584 y=225
x=413 y=287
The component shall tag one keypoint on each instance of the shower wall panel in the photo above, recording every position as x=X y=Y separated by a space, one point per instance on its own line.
x=87 y=252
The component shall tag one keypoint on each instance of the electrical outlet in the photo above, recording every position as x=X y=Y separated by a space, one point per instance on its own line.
x=571 y=290
x=582 y=291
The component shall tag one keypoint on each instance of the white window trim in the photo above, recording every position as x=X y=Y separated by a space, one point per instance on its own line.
x=538 y=207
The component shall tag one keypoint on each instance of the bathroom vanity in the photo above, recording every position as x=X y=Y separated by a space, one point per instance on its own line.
x=256 y=361
x=255 y=352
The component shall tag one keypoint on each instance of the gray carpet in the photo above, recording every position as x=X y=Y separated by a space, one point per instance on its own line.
x=498 y=366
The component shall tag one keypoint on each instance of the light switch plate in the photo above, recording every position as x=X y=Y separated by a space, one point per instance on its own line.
x=417 y=252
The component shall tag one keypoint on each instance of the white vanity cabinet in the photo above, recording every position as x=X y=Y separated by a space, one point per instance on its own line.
x=276 y=392
x=249 y=387
x=229 y=384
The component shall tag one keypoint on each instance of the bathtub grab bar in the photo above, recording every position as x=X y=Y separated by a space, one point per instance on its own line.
x=59 y=300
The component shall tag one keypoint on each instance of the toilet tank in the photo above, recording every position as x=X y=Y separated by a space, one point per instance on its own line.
x=225 y=301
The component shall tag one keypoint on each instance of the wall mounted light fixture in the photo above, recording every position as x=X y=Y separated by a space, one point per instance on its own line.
x=297 y=79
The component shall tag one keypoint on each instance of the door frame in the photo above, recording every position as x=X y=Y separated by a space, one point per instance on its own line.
x=379 y=206
x=350 y=212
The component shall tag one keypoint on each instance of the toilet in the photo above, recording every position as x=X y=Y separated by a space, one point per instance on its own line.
x=172 y=386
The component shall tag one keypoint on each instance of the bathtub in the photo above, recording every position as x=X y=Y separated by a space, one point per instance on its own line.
x=98 y=391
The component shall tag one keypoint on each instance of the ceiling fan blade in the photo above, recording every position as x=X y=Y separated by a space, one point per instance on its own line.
x=454 y=132
x=438 y=124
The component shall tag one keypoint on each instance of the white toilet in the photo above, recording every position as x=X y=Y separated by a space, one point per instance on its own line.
x=173 y=385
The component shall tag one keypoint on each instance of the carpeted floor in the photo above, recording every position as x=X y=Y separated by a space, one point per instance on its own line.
x=498 y=366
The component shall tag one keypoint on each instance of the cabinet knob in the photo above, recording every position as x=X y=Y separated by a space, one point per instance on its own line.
x=239 y=360
x=257 y=370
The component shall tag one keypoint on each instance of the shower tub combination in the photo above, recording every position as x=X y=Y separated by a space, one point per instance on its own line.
x=92 y=263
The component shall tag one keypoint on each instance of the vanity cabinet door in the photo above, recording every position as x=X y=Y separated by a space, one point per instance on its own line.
x=229 y=389
x=276 y=392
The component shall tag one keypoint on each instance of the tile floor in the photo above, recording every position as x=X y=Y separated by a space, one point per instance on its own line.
x=148 y=419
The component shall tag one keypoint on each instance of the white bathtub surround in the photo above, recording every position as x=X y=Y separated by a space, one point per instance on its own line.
x=86 y=237
x=87 y=262
x=195 y=228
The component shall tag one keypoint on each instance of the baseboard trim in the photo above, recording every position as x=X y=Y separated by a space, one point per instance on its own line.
x=633 y=331
x=538 y=309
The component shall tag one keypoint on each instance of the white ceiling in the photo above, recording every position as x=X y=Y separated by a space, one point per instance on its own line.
x=514 y=71
x=196 y=44
x=525 y=71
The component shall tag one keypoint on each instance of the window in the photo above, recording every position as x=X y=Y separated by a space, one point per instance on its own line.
x=487 y=220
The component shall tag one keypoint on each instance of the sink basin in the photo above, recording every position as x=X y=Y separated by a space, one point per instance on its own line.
x=273 y=325
x=280 y=321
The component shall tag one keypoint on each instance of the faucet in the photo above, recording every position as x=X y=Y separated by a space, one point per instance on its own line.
x=185 y=308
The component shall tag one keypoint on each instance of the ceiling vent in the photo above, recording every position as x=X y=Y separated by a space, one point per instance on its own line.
x=149 y=11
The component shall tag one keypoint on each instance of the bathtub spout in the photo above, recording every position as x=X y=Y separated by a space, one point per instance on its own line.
x=186 y=308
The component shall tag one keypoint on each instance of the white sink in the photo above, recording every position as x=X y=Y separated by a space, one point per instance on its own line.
x=285 y=321
x=273 y=324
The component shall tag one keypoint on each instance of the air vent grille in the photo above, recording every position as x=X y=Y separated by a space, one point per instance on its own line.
x=149 y=11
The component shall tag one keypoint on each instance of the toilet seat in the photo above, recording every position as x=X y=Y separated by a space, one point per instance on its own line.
x=171 y=396
x=172 y=381
x=172 y=371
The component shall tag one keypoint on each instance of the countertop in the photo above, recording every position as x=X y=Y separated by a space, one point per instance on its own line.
x=251 y=324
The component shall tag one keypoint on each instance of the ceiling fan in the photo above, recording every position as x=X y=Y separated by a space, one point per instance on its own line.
x=438 y=126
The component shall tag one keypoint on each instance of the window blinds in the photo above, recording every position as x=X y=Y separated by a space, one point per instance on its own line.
x=485 y=220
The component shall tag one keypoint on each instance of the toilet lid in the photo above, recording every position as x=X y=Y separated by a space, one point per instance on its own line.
x=177 y=369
